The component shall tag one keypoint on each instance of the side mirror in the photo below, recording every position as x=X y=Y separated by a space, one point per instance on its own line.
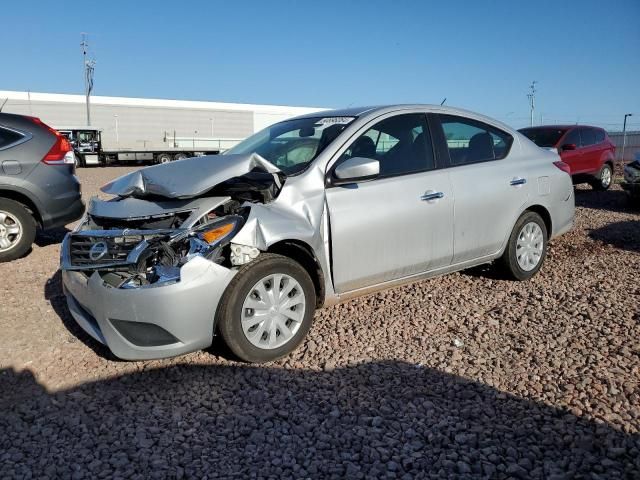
x=356 y=169
x=569 y=146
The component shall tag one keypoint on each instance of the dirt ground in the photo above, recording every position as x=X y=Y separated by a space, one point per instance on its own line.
x=466 y=375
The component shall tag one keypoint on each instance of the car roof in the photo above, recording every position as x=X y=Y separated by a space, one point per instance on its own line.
x=566 y=127
x=382 y=109
x=15 y=120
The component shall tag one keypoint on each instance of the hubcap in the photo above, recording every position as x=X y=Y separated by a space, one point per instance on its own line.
x=10 y=231
x=529 y=246
x=273 y=311
x=605 y=178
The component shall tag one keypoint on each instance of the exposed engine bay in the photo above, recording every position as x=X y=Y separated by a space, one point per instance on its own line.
x=153 y=226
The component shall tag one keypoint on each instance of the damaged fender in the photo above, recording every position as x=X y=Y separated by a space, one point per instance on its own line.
x=293 y=216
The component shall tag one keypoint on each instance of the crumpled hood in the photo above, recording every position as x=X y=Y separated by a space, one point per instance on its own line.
x=186 y=178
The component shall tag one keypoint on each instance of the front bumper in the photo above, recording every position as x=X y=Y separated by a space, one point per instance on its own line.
x=152 y=322
x=632 y=189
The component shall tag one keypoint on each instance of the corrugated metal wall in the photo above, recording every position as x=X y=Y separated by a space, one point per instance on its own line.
x=632 y=147
x=141 y=126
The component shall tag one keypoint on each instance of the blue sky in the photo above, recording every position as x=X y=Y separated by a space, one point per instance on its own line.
x=482 y=56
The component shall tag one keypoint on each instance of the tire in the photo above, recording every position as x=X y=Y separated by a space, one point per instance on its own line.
x=604 y=179
x=17 y=230
x=242 y=291
x=164 y=158
x=180 y=156
x=521 y=269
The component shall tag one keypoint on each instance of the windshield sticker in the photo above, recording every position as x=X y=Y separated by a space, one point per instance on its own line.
x=334 y=121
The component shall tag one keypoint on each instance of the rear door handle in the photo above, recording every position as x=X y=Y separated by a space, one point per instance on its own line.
x=518 y=181
x=431 y=195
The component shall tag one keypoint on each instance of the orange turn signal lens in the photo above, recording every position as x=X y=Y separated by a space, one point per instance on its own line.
x=211 y=236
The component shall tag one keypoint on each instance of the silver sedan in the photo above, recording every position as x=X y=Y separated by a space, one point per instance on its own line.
x=306 y=213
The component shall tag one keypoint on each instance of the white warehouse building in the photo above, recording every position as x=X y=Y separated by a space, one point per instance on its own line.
x=152 y=124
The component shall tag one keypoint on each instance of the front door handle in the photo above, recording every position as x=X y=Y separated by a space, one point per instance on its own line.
x=431 y=195
x=518 y=181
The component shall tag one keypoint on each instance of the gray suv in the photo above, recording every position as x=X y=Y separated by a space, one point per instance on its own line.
x=38 y=187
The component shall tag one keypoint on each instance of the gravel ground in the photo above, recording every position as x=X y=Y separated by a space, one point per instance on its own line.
x=466 y=375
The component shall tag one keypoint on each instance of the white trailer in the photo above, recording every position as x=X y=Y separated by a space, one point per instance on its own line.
x=89 y=148
x=150 y=130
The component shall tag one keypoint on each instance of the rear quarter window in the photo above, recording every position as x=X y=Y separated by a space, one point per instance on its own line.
x=8 y=137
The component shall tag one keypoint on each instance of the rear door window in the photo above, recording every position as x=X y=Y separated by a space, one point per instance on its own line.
x=543 y=137
x=573 y=137
x=471 y=141
x=8 y=137
x=588 y=137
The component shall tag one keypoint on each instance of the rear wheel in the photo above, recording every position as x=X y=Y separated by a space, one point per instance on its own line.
x=17 y=230
x=180 y=156
x=267 y=309
x=164 y=158
x=604 y=178
x=527 y=247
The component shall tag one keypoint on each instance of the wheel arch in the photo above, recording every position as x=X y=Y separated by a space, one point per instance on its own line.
x=24 y=199
x=544 y=213
x=302 y=253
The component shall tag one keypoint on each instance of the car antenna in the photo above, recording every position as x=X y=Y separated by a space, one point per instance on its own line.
x=4 y=103
x=443 y=100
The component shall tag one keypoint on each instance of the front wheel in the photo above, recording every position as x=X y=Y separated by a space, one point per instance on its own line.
x=527 y=247
x=604 y=179
x=267 y=309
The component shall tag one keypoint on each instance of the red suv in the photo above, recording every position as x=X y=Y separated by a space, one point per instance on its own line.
x=587 y=150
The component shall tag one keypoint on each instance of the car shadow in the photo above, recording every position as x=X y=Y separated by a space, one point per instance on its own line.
x=490 y=271
x=624 y=235
x=614 y=199
x=50 y=237
x=382 y=419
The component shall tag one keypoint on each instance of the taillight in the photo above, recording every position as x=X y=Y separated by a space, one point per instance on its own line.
x=563 y=166
x=61 y=153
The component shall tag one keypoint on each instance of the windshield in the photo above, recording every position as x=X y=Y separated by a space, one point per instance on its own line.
x=544 y=137
x=293 y=144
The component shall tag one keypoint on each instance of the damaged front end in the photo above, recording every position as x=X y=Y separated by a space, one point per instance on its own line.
x=158 y=232
x=139 y=257
x=631 y=181
x=162 y=217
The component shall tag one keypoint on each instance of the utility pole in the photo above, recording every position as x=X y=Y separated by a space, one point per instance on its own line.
x=532 y=100
x=624 y=135
x=89 y=67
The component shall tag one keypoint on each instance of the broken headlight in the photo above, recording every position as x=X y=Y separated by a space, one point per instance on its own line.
x=158 y=261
